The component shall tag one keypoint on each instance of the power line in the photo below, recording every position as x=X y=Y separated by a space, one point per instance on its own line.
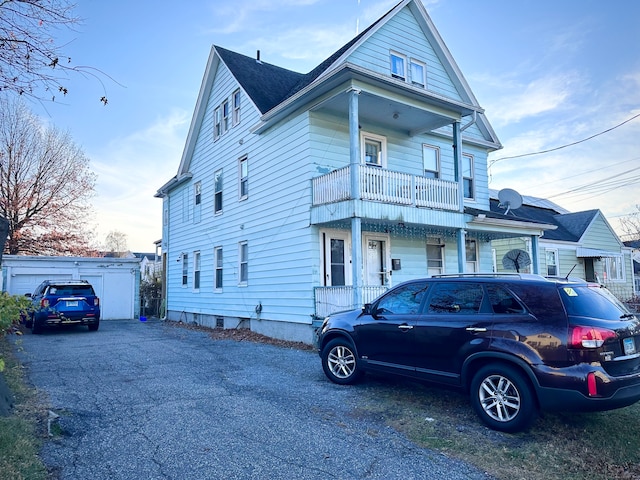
x=492 y=162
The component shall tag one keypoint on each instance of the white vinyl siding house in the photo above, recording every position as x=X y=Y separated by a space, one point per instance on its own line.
x=319 y=193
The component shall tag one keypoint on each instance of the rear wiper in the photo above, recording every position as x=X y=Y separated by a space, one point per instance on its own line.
x=627 y=315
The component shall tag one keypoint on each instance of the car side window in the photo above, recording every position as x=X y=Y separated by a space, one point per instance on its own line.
x=404 y=300
x=456 y=297
x=502 y=301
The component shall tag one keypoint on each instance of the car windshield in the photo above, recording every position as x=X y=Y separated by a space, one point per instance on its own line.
x=594 y=302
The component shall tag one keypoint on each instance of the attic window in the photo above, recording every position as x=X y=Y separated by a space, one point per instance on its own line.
x=398 y=66
x=417 y=71
x=217 y=125
x=236 y=107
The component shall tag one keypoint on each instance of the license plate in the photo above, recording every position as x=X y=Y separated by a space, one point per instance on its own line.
x=629 y=346
x=72 y=304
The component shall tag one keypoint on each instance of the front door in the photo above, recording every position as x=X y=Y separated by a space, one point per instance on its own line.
x=336 y=259
x=376 y=260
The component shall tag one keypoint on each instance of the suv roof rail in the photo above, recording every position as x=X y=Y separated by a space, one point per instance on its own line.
x=523 y=276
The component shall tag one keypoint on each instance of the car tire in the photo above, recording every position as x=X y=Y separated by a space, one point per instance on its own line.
x=503 y=398
x=35 y=327
x=93 y=327
x=340 y=362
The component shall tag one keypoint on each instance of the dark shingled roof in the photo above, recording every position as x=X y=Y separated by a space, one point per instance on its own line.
x=269 y=85
x=571 y=226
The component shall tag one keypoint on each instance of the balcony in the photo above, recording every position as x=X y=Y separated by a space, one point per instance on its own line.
x=329 y=300
x=386 y=186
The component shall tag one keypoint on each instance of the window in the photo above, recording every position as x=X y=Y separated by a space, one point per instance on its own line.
x=502 y=301
x=197 y=192
x=467 y=175
x=435 y=257
x=185 y=269
x=431 y=161
x=196 y=270
x=404 y=300
x=471 y=249
x=236 y=107
x=418 y=73
x=243 y=173
x=217 y=258
x=398 y=62
x=218 y=192
x=552 y=262
x=374 y=149
x=614 y=268
x=244 y=263
x=225 y=116
x=217 y=125
x=456 y=297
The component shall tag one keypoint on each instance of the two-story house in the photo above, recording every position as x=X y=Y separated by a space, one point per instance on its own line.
x=302 y=194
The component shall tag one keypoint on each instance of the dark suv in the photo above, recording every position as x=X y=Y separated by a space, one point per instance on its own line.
x=516 y=343
x=64 y=302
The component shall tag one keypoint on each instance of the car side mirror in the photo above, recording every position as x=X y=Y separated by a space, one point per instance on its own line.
x=366 y=309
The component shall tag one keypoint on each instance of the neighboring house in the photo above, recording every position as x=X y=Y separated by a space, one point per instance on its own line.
x=150 y=265
x=634 y=245
x=582 y=245
x=301 y=194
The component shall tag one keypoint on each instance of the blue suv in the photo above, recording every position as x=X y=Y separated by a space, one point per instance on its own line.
x=64 y=302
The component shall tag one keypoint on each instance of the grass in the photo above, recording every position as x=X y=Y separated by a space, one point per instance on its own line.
x=21 y=434
x=567 y=446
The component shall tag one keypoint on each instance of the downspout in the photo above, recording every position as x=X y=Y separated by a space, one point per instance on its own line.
x=457 y=156
x=356 y=222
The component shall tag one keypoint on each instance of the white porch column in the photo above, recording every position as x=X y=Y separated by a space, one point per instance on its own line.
x=354 y=143
x=356 y=260
x=457 y=158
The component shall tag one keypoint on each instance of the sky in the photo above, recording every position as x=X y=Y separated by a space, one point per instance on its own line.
x=552 y=75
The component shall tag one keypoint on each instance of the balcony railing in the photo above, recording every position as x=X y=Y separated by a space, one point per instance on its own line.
x=334 y=299
x=380 y=185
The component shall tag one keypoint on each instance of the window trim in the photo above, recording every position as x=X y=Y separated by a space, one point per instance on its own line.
x=403 y=58
x=619 y=268
x=471 y=179
x=556 y=264
x=217 y=193
x=197 y=193
x=243 y=260
x=438 y=163
x=236 y=101
x=364 y=136
x=243 y=195
x=423 y=81
x=185 y=269
x=196 y=270
x=218 y=267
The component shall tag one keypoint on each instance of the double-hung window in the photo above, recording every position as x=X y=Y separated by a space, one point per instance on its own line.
x=217 y=258
x=185 y=269
x=398 y=65
x=418 y=72
x=431 y=161
x=197 y=193
x=614 y=268
x=218 y=192
x=552 y=262
x=243 y=176
x=374 y=149
x=217 y=124
x=243 y=267
x=467 y=175
x=435 y=256
x=226 y=116
x=236 y=107
x=196 y=270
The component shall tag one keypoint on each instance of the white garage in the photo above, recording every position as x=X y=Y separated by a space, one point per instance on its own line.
x=115 y=280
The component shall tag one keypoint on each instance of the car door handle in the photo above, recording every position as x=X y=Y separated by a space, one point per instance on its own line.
x=476 y=329
x=405 y=327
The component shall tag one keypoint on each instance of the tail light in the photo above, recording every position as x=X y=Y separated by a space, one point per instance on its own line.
x=96 y=302
x=589 y=337
x=44 y=303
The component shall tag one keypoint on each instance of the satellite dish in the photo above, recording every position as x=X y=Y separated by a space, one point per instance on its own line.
x=516 y=259
x=509 y=199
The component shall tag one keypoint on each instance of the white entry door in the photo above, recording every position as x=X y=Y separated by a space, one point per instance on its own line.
x=376 y=260
x=336 y=258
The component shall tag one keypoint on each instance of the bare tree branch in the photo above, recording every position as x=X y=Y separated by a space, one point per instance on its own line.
x=45 y=186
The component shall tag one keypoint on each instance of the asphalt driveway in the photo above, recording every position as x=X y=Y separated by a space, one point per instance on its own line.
x=154 y=401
